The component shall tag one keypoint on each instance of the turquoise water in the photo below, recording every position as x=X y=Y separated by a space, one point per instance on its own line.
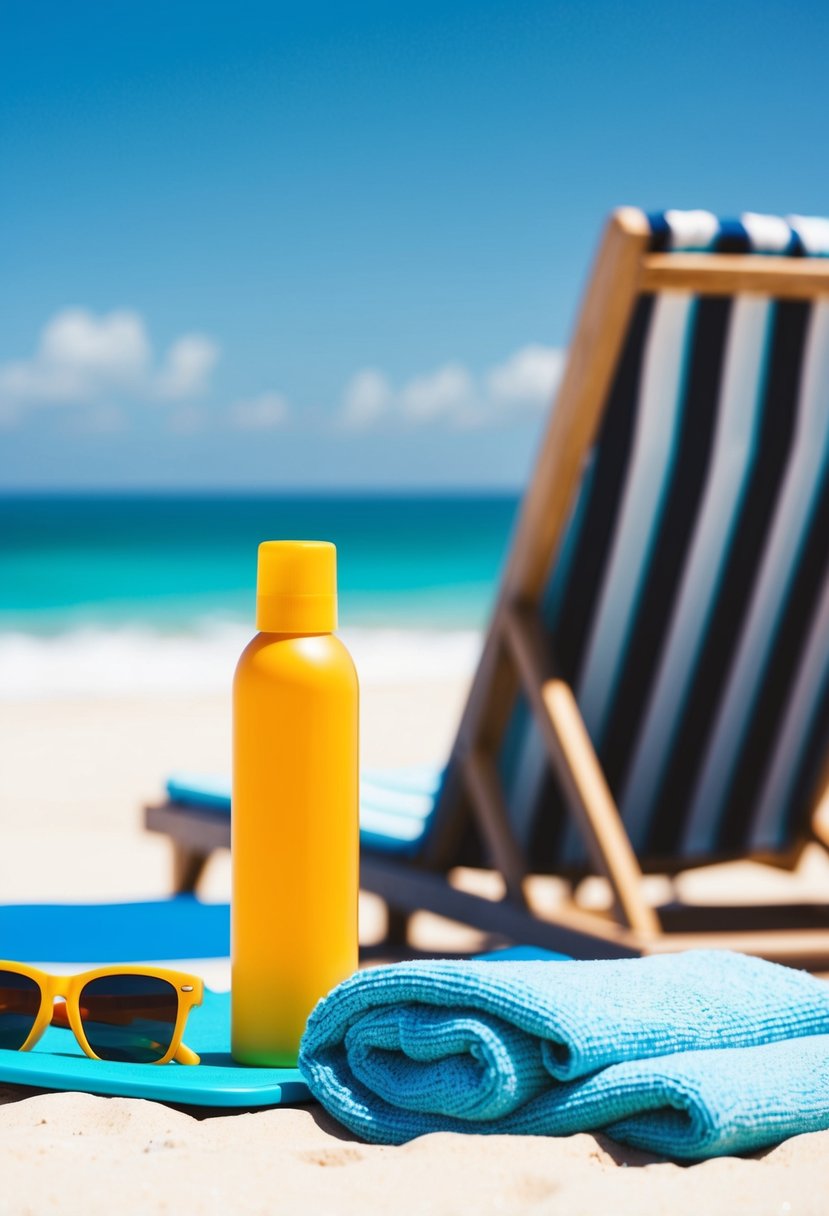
x=171 y=563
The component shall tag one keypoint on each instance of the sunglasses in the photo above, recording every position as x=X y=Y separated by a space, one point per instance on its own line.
x=132 y=1014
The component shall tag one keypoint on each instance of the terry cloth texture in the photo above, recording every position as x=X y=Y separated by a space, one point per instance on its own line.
x=688 y=1055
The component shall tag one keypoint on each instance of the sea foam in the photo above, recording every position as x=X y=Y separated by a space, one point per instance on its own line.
x=136 y=660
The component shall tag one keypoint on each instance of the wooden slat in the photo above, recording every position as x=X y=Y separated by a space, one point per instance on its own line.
x=583 y=783
x=194 y=835
x=579 y=934
x=201 y=831
x=744 y=918
x=721 y=274
x=820 y=812
x=493 y=815
x=807 y=948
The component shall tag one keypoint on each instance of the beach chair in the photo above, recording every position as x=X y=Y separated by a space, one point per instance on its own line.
x=653 y=692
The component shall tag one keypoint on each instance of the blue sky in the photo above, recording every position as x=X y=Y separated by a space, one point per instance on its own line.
x=340 y=245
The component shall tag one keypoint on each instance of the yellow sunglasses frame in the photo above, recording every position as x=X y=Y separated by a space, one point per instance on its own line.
x=189 y=990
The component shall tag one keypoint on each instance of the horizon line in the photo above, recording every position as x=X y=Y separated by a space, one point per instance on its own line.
x=259 y=492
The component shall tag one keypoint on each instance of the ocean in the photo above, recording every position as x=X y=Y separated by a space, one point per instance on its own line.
x=139 y=594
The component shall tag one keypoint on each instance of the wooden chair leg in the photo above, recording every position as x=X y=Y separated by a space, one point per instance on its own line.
x=397 y=926
x=188 y=867
x=820 y=814
x=579 y=771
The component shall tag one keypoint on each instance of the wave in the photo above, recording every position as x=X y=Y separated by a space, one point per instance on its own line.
x=140 y=661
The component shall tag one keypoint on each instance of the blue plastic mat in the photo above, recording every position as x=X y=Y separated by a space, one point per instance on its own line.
x=182 y=927
x=59 y=1063
x=172 y=929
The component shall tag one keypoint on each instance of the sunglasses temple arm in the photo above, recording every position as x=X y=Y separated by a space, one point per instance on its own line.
x=184 y=1055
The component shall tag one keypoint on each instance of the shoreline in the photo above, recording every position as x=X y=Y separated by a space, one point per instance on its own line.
x=134 y=662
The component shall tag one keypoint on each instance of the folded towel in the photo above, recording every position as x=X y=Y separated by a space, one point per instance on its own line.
x=690 y=1055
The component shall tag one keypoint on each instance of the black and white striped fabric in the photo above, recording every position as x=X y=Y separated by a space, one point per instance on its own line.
x=702 y=231
x=689 y=601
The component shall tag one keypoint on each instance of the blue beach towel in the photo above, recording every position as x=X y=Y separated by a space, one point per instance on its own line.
x=689 y=1055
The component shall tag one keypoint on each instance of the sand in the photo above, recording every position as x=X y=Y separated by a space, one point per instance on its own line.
x=77 y=1153
x=72 y=780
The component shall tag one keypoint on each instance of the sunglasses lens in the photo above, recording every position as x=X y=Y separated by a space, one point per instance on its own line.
x=19 y=1006
x=129 y=1017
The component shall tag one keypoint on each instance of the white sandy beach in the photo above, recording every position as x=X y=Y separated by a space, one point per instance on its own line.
x=74 y=774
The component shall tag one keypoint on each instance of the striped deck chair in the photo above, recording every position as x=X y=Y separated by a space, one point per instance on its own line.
x=653 y=694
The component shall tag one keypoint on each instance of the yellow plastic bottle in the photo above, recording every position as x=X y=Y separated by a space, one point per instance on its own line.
x=295 y=828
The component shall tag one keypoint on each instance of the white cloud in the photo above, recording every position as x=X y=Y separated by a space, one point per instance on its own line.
x=187 y=367
x=263 y=413
x=100 y=362
x=113 y=347
x=81 y=356
x=441 y=394
x=451 y=395
x=529 y=375
x=367 y=398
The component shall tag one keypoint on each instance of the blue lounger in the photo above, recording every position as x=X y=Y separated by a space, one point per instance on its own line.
x=395 y=804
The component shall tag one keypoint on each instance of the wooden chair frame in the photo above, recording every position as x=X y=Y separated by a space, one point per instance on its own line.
x=517 y=656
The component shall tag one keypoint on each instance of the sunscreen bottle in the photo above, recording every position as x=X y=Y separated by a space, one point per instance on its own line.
x=295 y=828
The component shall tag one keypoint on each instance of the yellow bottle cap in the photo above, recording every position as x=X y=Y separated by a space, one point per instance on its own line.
x=296 y=587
